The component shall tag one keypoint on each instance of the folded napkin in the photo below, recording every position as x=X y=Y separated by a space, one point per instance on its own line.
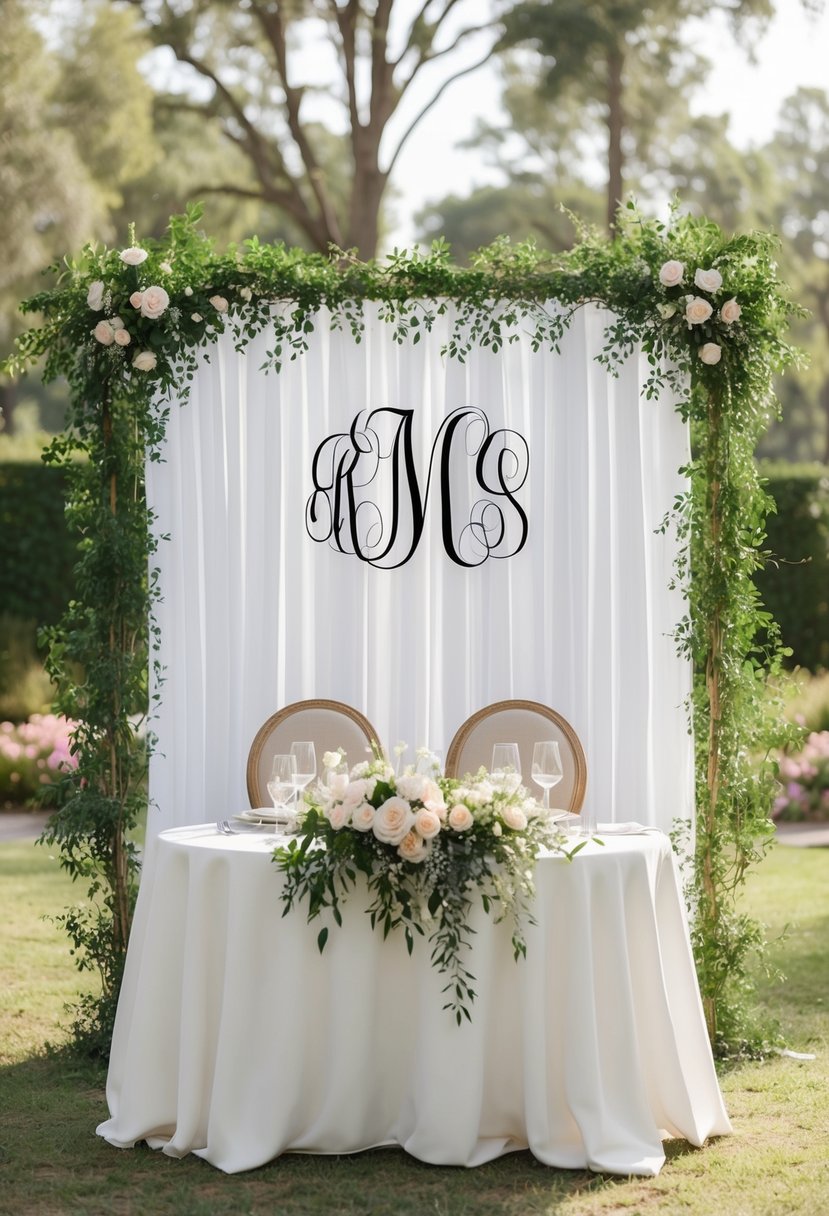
x=625 y=829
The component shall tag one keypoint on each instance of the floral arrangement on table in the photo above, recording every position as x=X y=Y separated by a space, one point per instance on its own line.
x=710 y=313
x=428 y=846
x=805 y=777
x=34 y=754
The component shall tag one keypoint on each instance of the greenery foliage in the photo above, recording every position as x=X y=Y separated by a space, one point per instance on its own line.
x=795 y=583
x=167 y=299
x=37 y=551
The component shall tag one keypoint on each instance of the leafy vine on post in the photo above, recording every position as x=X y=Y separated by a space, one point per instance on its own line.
x=126 y=329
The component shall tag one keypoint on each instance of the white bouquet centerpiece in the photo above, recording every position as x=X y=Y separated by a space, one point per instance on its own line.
x=427 y=846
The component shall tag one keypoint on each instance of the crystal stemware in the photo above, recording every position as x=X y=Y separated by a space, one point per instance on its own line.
x=506 y=760
x=282 y=786
x=547 y=770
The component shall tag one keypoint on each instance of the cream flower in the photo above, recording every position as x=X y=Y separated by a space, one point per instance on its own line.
x=95 y=296
x=670 y=274
x=666 y=311
x=427 y=823
x=196 y=316
x=362 y=819
x=104 y=333
x=337 y=783
x=412 y=786
x=188 y=291
x=730 y=311
x=154 y=302
x=393 y=821
x=460 y=818
x=144 y=361
x=710 y=353
x=514 y=818
x=133 y=256
x=708 y=280
x=331 y=759
x=136 y=298
x=165 y=267
x=338 y=815
x=245 y=293
x=697 y=310
x=219 y=303
x=122 y=337
x=414 y=848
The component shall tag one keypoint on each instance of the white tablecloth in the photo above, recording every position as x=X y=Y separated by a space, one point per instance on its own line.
x=236 y=1040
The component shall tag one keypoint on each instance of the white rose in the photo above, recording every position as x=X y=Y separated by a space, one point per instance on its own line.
x=154 y=302
x=413 y=848
x=710 y=353
x=95 y=296
x=666 y=311
x=219 y=303
x=122 y=337
x=363 y=818
x=460 y=818
x=355 y=793
x=133 y=256
x=116 y=322
x=165 y=267
x=246 y=293
x=496 y=829
x=427 y=823
x=393 y=821
x=514 y=818
x=338 y=816
x=411 y=786
x=730 y=311
x=330 y=759
x=144 y=361
x=188 y=291
x=708 y=280
x=196 y=316
x=670 y=274
x=104 y=332
x=697 y=310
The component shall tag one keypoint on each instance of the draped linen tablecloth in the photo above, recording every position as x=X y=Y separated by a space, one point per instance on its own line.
x=237 y=1040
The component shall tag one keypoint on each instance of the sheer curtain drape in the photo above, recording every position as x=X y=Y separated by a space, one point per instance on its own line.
x=258 y=610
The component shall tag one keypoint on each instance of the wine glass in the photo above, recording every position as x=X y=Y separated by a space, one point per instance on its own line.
x=506 y=762
x=547 y=770
x=282 y=785
x=306 y=765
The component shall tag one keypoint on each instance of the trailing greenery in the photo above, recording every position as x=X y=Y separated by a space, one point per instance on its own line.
x=795 y=582
x=126 y=328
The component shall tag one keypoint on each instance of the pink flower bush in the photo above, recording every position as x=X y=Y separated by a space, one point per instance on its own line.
x=805 y=781
x=32 y=754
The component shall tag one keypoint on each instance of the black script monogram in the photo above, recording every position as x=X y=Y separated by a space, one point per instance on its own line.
x=367 y=501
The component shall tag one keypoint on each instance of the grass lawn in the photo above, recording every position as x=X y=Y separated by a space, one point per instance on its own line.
x=52 y=1164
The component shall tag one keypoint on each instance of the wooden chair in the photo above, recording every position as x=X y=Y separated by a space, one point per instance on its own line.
x=524 y=723
x=327 y=724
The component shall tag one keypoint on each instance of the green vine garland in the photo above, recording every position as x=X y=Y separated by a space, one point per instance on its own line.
x=125 y=329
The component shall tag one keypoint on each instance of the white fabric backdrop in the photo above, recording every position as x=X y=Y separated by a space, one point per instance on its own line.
x=255 y=613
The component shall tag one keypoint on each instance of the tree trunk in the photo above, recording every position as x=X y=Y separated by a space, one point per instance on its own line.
x=8 y=400
x=824 y=397
x=615 y=128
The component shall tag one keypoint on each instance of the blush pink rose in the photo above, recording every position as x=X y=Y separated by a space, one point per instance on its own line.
x=362 y=819
x=427 y=823
x=219 y=303
x=133 y=256
x=104 y=333
x=122 y=337
x=710 y=353
x=136 y=298
x=144 y=361
x=460 y=818
x=708 y=280
x=154 y=302
x=697 y=310
x=514 y=818
x=730 y=311
x=393 y=821
x=95 y=296
x=338 y=816
x=670 y=274
x=413 y=848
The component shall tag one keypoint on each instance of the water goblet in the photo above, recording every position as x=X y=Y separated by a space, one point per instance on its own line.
x=282 y=786
x=306 y=765
x=506 y=760
x=547 y=770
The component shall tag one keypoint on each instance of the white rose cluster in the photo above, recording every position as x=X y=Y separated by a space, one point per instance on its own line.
x=698 y=310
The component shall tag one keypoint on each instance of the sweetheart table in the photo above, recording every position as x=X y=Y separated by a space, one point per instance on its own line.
x=236 y=1040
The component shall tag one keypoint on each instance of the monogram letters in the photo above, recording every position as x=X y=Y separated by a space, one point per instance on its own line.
x=367 y=499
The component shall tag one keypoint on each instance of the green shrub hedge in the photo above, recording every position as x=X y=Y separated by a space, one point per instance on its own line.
x=37 y=552
x=795 y=585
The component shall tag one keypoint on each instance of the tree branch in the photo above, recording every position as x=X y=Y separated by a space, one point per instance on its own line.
x=434 y=100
